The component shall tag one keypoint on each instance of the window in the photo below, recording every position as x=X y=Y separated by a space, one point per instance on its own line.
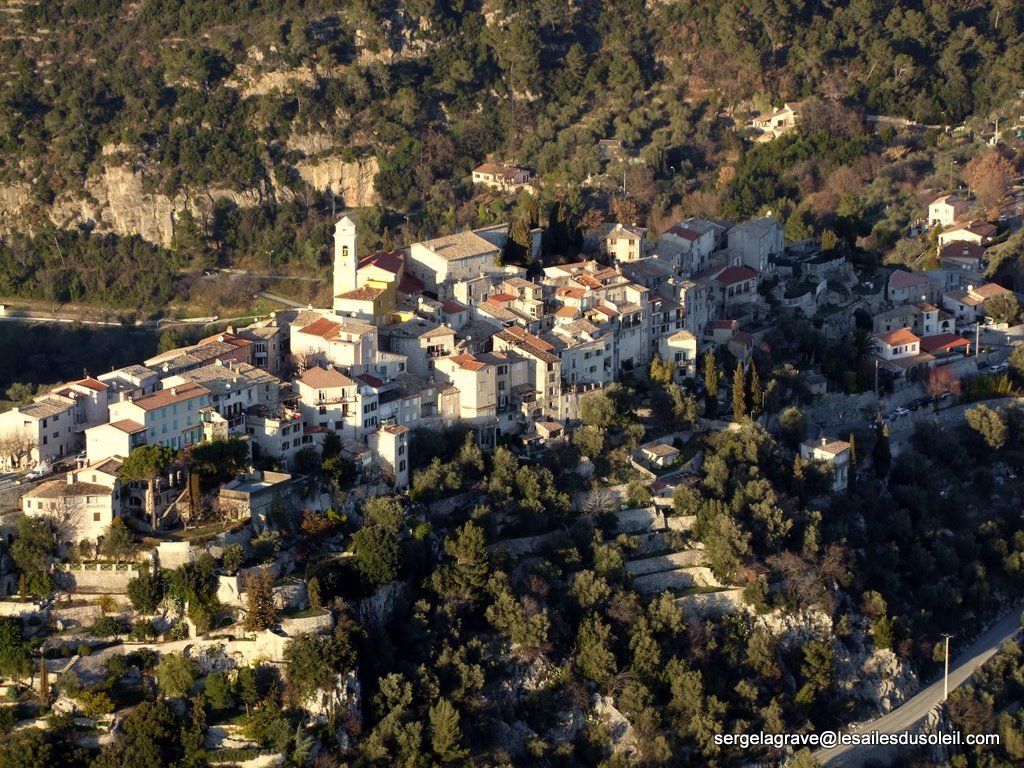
x=44 y=439
x=401 y=466
x=401 y=450
x=95 y=517
x=56 y=418
x=56 y=435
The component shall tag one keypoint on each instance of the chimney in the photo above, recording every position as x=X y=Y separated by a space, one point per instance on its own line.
x=174 y=391
x=824 y=441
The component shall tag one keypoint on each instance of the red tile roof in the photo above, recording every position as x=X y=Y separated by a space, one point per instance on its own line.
x=321 y=378
x=176 y=394
x=902 y=336
x=389 y=261
x=903 y=279
x=452 y=307
x=410 y=285
x=733 y=275
x=323 y=327
x=683 y=232
x=942 y=342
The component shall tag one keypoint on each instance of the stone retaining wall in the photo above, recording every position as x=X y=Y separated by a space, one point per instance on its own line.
x=89 y=579
x=323 y=622
x=681 y=578
x=685 y=559
x=709 y=604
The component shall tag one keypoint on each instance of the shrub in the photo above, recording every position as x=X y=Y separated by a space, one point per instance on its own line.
x=84 y=649
x=142 y=630
x=107 y=626
x=95 y=703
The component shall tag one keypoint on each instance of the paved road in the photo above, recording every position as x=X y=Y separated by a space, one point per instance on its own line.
x=909 y=717
x=281 y=299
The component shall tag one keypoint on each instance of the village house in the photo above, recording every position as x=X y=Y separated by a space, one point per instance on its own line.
x=440 y=262
x=328 y=338
x=963 y=256
x=506 y=178
x=899 y=352
x=41 y=432
x=331 y=400
x=946 y=210
x=391 y=444
x=771 y=125
x=831 y=452
x=82 y=503
x=969 y=306
x=626 y=243
x=977 y=232
x=171 y=417
x=906 y=287
x=757 y=243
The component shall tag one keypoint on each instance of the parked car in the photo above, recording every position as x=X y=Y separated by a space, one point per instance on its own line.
x=900 y=411
x=37 y=472
x=982 y=365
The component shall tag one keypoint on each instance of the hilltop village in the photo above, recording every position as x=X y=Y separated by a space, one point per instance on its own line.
x=257 y=500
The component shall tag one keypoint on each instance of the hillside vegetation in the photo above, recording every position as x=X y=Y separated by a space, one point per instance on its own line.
x=227 y=122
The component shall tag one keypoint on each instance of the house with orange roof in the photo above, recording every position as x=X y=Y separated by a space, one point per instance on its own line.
x=899 y=352
x=331 y=400
x=337 y=340
x=969 y=306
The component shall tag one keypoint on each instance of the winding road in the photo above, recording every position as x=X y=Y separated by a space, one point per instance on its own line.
x=911 y=715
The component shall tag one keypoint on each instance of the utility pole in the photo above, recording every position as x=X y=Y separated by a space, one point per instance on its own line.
x=977 y=337
x=945 y=679
x=876 y=378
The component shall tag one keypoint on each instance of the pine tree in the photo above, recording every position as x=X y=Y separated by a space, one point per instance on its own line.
x=469 y=572
x=193 y=738
x=851 y=469
x=756 y=392
x=739 y=393
x=446 y=732
x=261 y=613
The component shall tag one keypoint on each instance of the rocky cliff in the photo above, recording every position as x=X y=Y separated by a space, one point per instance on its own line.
x=119 y=200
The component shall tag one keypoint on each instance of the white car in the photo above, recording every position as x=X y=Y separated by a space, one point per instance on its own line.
x=37 y=472
x=901 y=411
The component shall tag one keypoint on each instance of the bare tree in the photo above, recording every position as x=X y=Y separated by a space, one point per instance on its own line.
x=65 y=519
x=15 y=445
x=599 y=501
x=938 y=382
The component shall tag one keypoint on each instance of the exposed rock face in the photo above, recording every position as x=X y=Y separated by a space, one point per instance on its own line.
x=351 y=181
x=118 y=200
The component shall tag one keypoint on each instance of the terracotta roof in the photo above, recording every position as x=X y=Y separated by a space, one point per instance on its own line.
x=901 y=336
x=90 y=383
x=177 y=394
x=683 y=232
x=961 y=249
x=733 y=275
x=128 y=426
x=467 y=362
x=389 y=261
x=683 y=335
x=501 y=298
x=322 y=378
x=606 y=310
x=743 y=337
x=372 y=380
x=409 y=284
x=452 y=307
x=395 y=429
x=322 y=327
x=107 y=466
x=572 y=293
x=719 y=325
x=566 y=312
x=494 y=169
x=903 y=279
x=942 y=341
x=989 y=290
x=365 y=293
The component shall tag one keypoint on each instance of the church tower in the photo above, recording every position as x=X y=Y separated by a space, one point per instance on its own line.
x=346 y=258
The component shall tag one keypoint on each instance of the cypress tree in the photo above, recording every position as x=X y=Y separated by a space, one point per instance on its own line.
x=756 y=392
x=739 y=392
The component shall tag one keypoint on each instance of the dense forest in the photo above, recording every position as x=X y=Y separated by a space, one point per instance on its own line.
x=202 y=100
